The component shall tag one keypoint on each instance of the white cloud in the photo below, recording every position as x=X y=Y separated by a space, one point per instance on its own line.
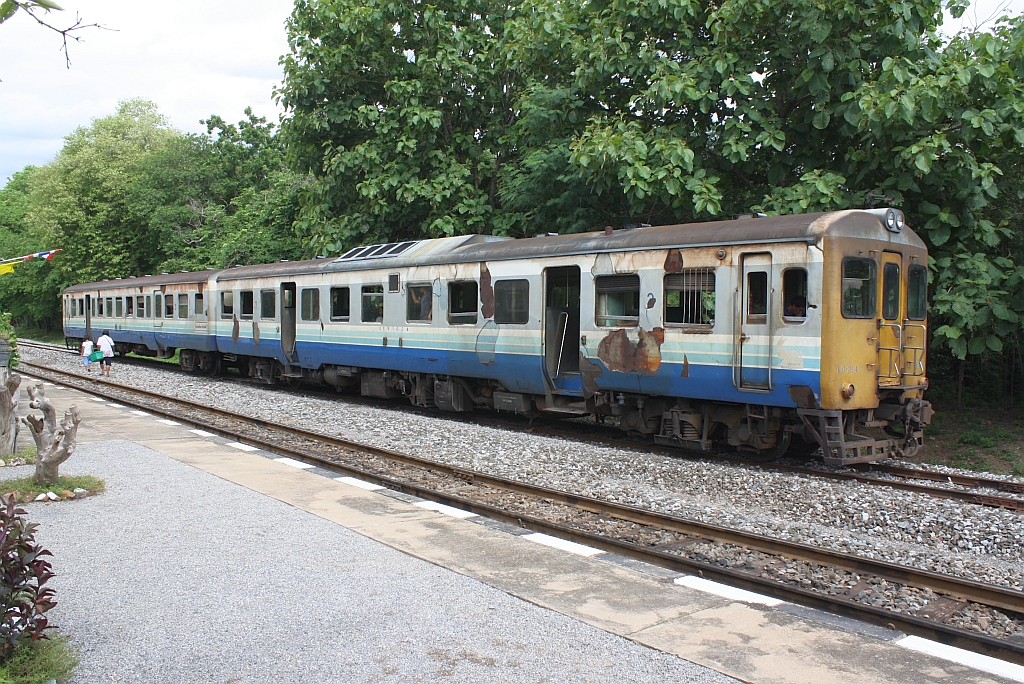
x=193 y=58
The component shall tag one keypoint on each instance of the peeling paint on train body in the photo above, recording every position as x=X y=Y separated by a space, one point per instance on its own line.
x=621 y=355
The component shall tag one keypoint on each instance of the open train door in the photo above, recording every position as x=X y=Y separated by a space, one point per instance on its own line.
x=562 y=329
x=754 y=343
x=288 y=321
x=88 y=316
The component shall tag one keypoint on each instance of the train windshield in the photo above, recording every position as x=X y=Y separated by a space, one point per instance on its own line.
x=858 y=288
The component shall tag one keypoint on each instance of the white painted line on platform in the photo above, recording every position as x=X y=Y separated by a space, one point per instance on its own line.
x=102 y=401
x=202 y=433
x=961 y=657
x=362 y=484
x=293 y=463
x=563 y=544
x=117 y=406
x=139 y=413
x=243 y=447
x=447 y=510
x=166 y=422
x=725 y=591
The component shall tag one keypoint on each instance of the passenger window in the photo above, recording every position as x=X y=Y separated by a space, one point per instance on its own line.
x=81 y=307
x=393 y=281
x=309 y=304
x=891 y=291
x=110 y=307
x=917 y=293
x=757 y=297
x=512 y=301
x=71 y=311
x=140 y=307
x=618 y=300
x=268 y=304
x=340 y=304
x=690 y=298
x=794 y=295
x=183 y=306
x=419 y=303
x=858 y=288
x=227 y=304
x=247 y=303
x=168 y=306
x=118 y=307
x=199 y=306
x=462 y=303
x=149 y=306
x=373 y=304
x=129 y=306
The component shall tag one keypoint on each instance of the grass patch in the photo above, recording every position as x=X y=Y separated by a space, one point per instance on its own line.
x=55 y=336
x=27 y=454
x=27 y=488
x=34 y=662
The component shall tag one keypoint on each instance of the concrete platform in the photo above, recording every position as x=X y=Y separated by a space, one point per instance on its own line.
x=745 y=636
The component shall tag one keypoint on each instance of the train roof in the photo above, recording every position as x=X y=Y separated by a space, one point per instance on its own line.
x=182 y=278
x=854 y=223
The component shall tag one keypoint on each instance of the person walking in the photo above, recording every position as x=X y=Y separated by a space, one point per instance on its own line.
x=86 y=352
x=106 y=345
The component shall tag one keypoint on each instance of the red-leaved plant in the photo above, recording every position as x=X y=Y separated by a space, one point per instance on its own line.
x=24 y=571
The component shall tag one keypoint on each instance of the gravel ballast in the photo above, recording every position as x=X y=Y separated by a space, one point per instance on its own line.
x=175 y=575
x=942 y=535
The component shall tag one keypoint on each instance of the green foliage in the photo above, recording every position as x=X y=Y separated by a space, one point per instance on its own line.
x=27 y=488
x=40 y=661
x=7 y=333
x=510 y=118
x=24 y=572
x=128 y=195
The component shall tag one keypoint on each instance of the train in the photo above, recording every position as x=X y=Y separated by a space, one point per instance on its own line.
x=760 y=335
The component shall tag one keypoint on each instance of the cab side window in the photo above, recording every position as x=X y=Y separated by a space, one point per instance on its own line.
x=794 y=295
x=858 y=288
x=917 y=293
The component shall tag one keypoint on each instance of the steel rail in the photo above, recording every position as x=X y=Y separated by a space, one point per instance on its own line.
x=959 y=589
x=977 y=498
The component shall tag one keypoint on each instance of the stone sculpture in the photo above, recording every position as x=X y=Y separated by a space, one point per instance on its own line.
x=54 y=442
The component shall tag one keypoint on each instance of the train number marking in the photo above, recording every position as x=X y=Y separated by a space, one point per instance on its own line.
x=846 y=369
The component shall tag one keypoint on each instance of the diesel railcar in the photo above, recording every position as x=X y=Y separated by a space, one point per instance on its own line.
x=763 y=334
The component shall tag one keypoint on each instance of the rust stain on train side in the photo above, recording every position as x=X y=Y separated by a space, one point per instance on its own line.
x=686 y=367
x=589 y=373
x=486 y=292
x=674 y=261
x=619 y=354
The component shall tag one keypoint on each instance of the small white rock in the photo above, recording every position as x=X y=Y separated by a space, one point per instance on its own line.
x=41 y=497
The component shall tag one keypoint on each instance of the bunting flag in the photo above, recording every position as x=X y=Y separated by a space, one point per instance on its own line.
x=7 y=265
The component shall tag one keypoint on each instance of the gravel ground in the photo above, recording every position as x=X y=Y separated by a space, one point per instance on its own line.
x=979 y=543
x=174 y=575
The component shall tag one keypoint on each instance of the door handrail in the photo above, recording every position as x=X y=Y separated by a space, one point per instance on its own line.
x=563 y=323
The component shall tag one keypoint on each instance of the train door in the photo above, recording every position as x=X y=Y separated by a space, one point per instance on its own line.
x=755 y=325
x=288 y=320
x=562 y=328
x=890 y=330
x=88 y=316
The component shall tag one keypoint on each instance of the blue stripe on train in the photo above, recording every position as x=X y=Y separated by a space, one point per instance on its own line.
x=517 y=372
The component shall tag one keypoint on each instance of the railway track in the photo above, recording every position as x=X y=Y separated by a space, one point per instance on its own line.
x=976 y=490
x=678 y=543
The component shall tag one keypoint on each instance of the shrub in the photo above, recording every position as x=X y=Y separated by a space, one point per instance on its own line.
x=24 y=571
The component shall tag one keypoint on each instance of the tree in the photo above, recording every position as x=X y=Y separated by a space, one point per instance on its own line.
x=8 y=8
x=400 y=110
x=582 y=114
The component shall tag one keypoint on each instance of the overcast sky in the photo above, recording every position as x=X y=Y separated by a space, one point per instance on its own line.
x=192 y=57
